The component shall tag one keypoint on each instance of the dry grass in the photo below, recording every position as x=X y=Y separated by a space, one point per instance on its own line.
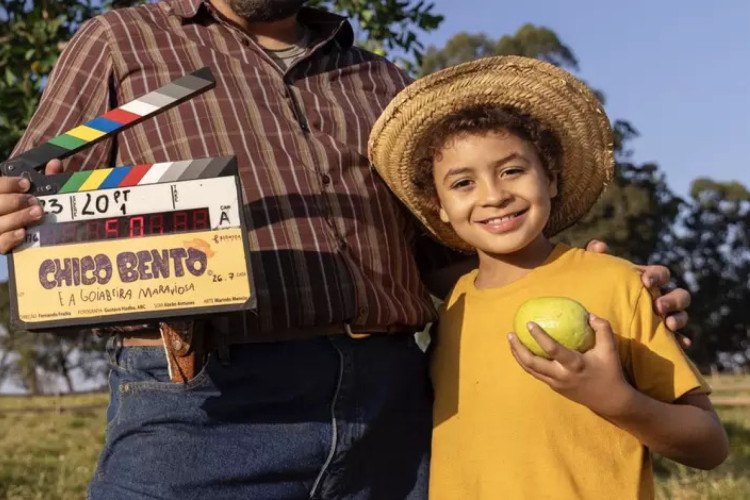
x=49 y=455
x=52 y=454
x=732 y=479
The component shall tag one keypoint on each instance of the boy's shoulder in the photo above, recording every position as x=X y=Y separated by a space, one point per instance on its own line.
x=576 y=260
x=600 y=281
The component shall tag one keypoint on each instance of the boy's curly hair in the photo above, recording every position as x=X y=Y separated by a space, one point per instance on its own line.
x=483 y=120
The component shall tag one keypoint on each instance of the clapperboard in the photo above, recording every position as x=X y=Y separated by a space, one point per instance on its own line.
x=131 y=243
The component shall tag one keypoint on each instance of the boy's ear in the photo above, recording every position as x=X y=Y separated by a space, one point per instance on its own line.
x=444 y=215
x=553 y=184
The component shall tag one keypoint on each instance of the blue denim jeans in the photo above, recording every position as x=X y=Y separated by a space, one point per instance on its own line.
x=324 y=418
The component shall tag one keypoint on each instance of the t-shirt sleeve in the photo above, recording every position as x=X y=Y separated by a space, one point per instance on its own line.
x=78 y=90
x=658 y=365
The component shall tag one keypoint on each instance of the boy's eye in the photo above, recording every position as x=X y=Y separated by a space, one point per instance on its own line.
x=512 y=171
x=462 y=184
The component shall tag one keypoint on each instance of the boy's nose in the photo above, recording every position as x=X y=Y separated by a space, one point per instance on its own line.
x=494 y=194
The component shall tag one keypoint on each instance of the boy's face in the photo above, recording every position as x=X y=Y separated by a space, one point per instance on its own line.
x=493 y=191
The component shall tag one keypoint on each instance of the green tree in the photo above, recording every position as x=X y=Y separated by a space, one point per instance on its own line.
x=529 y=41
x=388 y=27
x=711 y=258
x=31 y=37
x=635 y=214
x=461 y=47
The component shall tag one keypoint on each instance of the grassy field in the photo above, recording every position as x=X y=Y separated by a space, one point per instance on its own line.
x=731 y=480
x=51 y=453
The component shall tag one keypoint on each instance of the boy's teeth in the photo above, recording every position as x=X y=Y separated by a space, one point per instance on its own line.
x=501 y=219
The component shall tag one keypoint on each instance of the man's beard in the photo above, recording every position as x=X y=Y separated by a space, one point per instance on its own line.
x=265 y=11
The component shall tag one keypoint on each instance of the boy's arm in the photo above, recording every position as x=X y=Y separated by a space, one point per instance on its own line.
x=686 y=430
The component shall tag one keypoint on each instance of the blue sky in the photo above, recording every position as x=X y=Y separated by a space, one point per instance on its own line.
x=679 y=71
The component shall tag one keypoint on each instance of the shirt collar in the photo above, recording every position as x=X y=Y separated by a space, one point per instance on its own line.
x=187 y=9
x=326 y=24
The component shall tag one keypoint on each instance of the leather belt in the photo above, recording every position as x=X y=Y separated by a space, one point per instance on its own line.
x=186 y=343
x=152 y=336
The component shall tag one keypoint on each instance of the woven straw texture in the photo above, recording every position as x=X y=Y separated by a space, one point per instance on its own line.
x=551 y=95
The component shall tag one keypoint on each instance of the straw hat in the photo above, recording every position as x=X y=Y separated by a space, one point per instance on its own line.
x=549 y=94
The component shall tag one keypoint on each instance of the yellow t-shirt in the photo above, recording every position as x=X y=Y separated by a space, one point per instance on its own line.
x=499 y=433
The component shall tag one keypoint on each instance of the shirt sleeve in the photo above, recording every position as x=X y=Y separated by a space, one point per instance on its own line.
x=77 y=91
x=658 y=365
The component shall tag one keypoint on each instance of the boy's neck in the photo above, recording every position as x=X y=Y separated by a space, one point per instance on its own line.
x=496 y=270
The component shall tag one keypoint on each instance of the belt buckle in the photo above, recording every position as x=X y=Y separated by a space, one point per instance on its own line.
x=351 y=334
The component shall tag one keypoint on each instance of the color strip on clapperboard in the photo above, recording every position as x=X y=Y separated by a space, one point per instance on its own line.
x=150 y=173
x=121 y=118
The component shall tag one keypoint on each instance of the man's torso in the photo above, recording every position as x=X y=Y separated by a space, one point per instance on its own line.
x=329 y=243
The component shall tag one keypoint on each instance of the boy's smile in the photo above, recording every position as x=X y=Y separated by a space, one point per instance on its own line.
x=494 y=191
x=503 y=223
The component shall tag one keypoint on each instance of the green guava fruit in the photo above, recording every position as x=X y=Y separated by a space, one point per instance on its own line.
x=564 y=319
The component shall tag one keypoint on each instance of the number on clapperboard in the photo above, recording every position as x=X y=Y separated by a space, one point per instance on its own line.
x=51 y=206
x=101 y=202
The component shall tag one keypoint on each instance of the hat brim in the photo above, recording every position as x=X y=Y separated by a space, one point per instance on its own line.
x=549 y=94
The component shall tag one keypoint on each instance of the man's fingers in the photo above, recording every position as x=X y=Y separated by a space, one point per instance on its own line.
x=569 y=359
x=16 y=212
x=20 y=218
x=597 y=246
x=14 y=185
x=684 y=341
x=13 y=202
x=673 y=302
x=53 y=167
x=11 y=239
x=676 y=322
x=651 y=276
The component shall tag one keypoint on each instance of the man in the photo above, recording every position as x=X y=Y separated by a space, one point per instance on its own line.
x=322 y=392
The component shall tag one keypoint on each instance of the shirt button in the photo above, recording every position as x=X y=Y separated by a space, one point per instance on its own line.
x=326 y=179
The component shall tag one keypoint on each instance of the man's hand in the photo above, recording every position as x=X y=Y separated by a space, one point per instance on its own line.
x=671 y=305
x=593 y=379
x=18 y=209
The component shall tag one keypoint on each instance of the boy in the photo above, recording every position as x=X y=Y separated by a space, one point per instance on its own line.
x=496 y=156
